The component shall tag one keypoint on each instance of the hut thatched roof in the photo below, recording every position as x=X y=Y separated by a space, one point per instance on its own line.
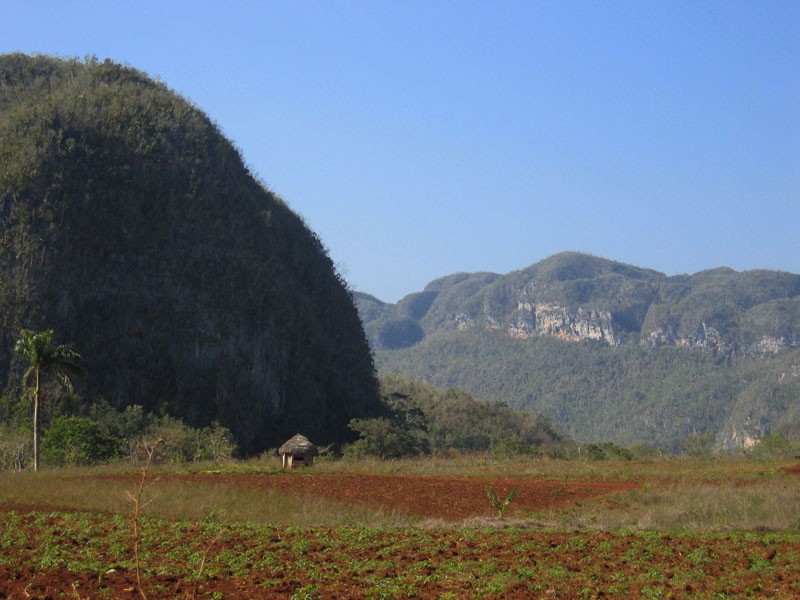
x=299 y=444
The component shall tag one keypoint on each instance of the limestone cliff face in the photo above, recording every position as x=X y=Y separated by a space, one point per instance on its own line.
x=710 y=339
x=769 y=345
x=767 y=405
x=705 y=338
x=580 y=324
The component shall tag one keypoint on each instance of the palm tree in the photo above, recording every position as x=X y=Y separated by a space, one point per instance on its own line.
x=45 y=359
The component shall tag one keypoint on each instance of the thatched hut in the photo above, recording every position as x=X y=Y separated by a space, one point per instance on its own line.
x=297 y=452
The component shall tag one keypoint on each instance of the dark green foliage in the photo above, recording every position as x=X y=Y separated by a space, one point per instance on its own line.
x=381 y=437
x=625 y=395
x=182 y=444
x=697 y=444
x=777 y=445
x=109 y=436
x=132 y=427
x=455 y=420
x=131 y=226
x=418 y=418
x=400 y=431
x=15 y=410
x=15 y=447
x=605 y=451
x=76 y=441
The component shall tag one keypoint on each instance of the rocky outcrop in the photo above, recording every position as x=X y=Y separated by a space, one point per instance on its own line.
x=710 y=339
x=769 y=345
x=736 y=439
x=581 y=324
x=705 y=338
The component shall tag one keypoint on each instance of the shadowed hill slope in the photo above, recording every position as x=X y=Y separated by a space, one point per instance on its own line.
x=131 y=226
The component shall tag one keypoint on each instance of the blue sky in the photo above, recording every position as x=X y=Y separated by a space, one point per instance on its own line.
x=423 y=138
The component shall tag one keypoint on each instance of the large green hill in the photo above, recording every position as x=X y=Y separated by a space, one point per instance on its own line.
x=608 y=351
x=130 y=226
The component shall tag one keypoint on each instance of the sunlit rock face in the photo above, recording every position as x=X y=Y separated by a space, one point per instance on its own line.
x=576 y=325
x=705 y=338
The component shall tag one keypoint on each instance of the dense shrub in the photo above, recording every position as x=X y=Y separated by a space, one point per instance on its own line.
x=776 y=445
x=181 y=443
x=107 y=435
x=76 y=441
x=403 y=431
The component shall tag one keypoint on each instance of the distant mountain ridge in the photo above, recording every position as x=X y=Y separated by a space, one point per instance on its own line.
x=608 y=351
x=579 y=297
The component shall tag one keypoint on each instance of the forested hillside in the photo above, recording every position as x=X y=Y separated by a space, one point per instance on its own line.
x=418 y=418
x=608 y=351
x=131 y=227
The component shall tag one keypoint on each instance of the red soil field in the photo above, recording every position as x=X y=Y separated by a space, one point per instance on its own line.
x=447 y=498
x=463 y=563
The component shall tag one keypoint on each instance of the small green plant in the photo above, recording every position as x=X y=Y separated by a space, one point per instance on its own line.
x=500 y=507
x=196 y=584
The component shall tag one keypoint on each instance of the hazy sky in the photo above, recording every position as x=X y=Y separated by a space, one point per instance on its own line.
x=422 y=138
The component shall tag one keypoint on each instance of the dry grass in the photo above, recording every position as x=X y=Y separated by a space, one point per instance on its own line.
x=481 y=465
x=770 y=505
x=675 y=494
x=185 y=500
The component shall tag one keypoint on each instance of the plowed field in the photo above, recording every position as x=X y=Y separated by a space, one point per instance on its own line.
x=61 y=554
x=448 y=498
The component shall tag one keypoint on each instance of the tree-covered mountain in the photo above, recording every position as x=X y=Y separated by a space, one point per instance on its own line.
x=131 y=227
x=608 y=351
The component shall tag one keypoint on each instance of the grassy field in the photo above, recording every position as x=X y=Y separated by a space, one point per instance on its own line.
x=711 y=494
x=699 y=528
